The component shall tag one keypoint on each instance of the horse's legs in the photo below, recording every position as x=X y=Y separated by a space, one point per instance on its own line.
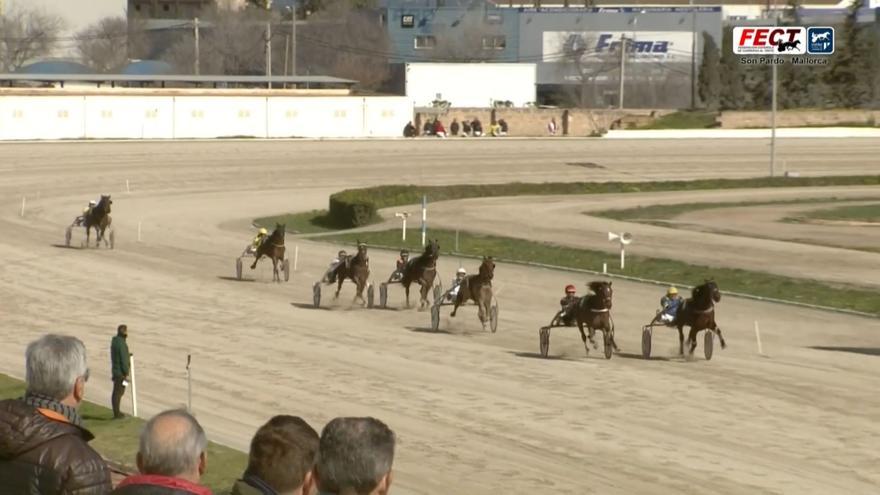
x=692 y=340
x=611 y=333
x=681 y=340
x=406 y=288
x=88 y=235
x=481 y=313
x=360 y=292
x=717 y=331
x=275 y=276
x=459 y=298
x=583 y=336
x=423 y=291
x=256 y=259
x=339 y=280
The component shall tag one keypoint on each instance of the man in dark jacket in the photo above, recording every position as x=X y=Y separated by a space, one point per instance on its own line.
x=120 y=359
x=43 y=445
x=281 y=459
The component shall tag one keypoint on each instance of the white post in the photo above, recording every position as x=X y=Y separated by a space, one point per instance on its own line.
x=758 y=338
x=189 y=400
x=622 y=256
x=295 y=256
x=456 y=240
x=139 y=231
x=403 y=234
x=134 y=394
x=127 y=187
x=605 y=268
x=424 y=218
x=23 y=201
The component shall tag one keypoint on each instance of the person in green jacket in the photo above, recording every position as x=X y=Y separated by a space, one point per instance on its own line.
x=119 y=362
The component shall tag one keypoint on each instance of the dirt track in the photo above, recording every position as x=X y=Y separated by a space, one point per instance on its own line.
x=475 y=413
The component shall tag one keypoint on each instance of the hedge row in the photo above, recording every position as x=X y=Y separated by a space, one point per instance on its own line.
x=358 y=207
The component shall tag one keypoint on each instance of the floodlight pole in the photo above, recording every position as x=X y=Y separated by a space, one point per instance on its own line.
x=773 y=105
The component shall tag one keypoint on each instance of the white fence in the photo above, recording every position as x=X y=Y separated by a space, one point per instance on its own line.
x=783 y=132
x=183 y=117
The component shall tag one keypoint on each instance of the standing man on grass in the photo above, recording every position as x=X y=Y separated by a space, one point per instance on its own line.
x=120 y=360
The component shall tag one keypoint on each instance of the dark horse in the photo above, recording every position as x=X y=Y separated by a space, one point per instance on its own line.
x=594 y=311
x=698 y=313
x=273 y=248
x=422 y=270
x=477 y=288
x=98 y=218
x=357 y=269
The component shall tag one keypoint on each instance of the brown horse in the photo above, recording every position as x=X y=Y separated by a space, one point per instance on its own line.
x=98 y=218
x=477 y=288
x=422 y=270
x=594 y=311
x=273 y=248
x=698 y=313
x=357 y=269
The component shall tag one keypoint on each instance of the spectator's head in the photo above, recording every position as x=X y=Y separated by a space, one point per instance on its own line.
x=122 y=330
x=173 y=444
x=354 y=457
x=56 y=367
x=283 y=454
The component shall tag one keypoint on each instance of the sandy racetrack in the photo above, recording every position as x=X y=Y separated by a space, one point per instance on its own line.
x=475 y=413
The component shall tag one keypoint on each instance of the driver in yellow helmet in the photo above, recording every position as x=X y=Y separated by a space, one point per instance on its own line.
x=261 y=236
x=669 y=304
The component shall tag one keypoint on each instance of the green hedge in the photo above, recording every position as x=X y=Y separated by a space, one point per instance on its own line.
x=358 y=207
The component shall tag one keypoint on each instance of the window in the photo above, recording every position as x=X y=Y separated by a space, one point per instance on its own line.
x=425 y=42
x=407 y=21
x=494 y=19
x=494 y=42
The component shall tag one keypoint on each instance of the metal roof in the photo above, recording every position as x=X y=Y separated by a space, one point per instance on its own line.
x=114 y=78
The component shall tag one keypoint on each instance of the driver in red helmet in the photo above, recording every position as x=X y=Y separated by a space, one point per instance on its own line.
x=568 y=302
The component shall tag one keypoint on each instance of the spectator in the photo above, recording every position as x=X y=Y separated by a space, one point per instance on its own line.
x=477 y=127
x=409 y=130
x=552 y=127
x=454 y=127
x=466 y=128
x=281 y=459
x=439 y=130
x=120 y=359
x=43 y=445
x=502 y=126
x=494 y=130
x=355 y=457
x=428 y=128
x=171 y=458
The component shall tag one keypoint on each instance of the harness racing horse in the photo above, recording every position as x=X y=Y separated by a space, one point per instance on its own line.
x=698 y=313
x=422 y=270
x=98 y=218
x=357 y=269
x=477 y=288
x=594 y=311
x=272 y=247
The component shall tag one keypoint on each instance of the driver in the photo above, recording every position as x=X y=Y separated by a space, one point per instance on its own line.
x=460 y=275
x=330 y=274
x=262 y=234
x=82 y=218
x=568 y=304
x=669 y=304
x=401 y=264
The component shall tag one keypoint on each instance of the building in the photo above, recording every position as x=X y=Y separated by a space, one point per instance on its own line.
x=168 y=9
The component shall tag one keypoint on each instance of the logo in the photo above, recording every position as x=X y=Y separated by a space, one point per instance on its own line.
x=632 y=46
x=783 y=40
x=820 y=40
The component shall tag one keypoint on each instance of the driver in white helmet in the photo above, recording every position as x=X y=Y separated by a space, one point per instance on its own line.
x=460 y=275
x=82 y=218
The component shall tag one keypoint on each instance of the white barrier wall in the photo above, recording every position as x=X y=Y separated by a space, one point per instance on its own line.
x=166 y=117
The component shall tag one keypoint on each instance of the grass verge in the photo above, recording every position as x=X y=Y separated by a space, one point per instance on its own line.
x=855 y=213
x=117 y=440
x=307 y=222
x=684 y=120
x=748 y=282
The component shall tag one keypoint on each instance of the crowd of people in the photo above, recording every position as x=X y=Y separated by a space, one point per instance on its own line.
x=465 y=128
x=44 y=446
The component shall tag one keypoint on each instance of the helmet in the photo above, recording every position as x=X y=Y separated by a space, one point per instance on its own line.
x=461 y=271
x=672 y=291
x=341 y=253
x=569 y=289
x=404 y=252
x=264 y=231
x=93 y=203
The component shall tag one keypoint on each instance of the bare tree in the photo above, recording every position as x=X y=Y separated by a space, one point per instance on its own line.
x=582 y=67
x=345 y=41
x=26 y=34
x=469 y=39
x=104 y=45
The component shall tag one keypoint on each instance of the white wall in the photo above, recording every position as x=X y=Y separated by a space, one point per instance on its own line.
x=471 y=85
x=182 y=117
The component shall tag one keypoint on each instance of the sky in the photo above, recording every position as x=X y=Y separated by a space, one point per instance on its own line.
x=76 y=13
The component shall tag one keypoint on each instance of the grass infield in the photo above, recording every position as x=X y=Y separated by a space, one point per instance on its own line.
x=730 y=279
x=117 y=440
x=854 y=213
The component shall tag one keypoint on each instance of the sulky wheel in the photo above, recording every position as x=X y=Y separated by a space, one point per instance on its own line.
x=383 y=295
x=67 y=235
x=646 y=342
x=708 y=343
x=493 y=315
x=112 y=239
x=238 y=268
x=285 y=267
x=316 y=294
x=371 y=296
x=606 y=343
x=435 y=317
x=544 y=337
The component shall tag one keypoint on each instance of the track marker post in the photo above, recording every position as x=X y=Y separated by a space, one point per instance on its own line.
x=189 y=389
x=295 y=256
x=424 y=218
x=758 y=338
x=134 y=393
x=127 y=187
x=23 y=203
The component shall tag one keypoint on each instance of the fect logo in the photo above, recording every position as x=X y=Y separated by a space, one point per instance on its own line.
x=784 y=40
x=820 y=40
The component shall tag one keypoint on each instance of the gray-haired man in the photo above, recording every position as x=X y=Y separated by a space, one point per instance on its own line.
x=355 y=457
x=171 y=458
x=43 y=445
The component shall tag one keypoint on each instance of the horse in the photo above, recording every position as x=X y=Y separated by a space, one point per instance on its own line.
x=422 y=270
x=98 y=218
x=273 y=248
x=477 y=288
x=594 y=311
x=357 y=269
x=698 y=313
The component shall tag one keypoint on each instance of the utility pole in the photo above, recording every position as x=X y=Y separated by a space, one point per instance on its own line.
x=623 y=41
x=773 y=105
x=293 y=39
x=286 y=52
x=269 y=44
x=196 y=64
x=693 y=55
